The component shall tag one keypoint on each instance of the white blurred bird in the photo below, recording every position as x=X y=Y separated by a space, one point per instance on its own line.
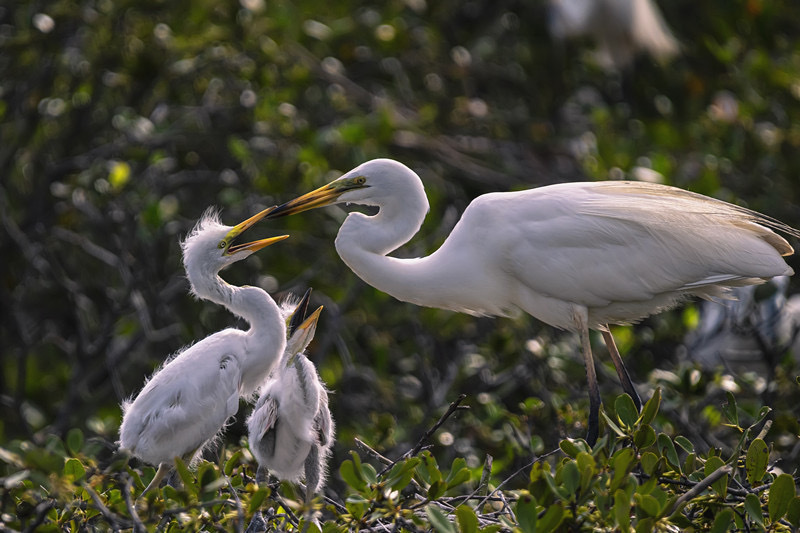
x=749 y=333
x=573 y=255
x=188 y=401
x=620 y=28
x=291 y=430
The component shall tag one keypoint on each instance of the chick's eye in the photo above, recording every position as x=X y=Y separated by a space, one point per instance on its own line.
x=221 y=245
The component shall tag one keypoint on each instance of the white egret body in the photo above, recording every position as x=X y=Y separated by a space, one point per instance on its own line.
x=291 y=429
x=620 y=28
x=574 y=255
x=187 y=402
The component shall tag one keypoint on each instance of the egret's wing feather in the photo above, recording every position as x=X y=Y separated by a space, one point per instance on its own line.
x=173 y=415
x=594 y=244
x=263 y=418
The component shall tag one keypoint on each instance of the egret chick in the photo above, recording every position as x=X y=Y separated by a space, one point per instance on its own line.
x=187 y=402
x=291 y=430
x=577 y=256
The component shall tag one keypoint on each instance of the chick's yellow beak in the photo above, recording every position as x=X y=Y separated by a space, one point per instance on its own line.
x=254 y=246
x=302 y=336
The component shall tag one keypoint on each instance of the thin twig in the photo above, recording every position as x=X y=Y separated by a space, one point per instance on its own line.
x=41 y=512
x=483 y=485
x=239 y=509
x=723 y=470
x=765 y=429
x=138 y=526
x=450 y=410
x=115 y=521
x=512 y=476
x=421 y=444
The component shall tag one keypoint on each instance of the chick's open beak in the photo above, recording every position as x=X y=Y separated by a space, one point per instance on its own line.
x=299 y=314
x=301 y=337
x=250 y=246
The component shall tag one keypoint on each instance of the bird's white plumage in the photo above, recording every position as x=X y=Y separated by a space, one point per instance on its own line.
x=620 y=28
x=573 y=255
x=291 y=429
x=188 y=401
x=622 y=250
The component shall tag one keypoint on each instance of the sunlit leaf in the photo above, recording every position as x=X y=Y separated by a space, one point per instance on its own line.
x=466 y=519
x=644 y=436
x=552 y=519
x=752 y=505
x=74 y=470
x=626 y=410
x=74 y=440
x=730 y=409
x=622 y=510
x=650 y=409
x=439 y=519
x=526 y=513
x=756 y=461
x=781 y=493
x=793 y=512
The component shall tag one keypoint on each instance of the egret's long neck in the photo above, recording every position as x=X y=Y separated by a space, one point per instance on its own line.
x=257 y=308
x=363 y=242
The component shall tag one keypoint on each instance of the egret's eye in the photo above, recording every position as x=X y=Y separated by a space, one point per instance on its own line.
x=222 y=245
x=361 y=180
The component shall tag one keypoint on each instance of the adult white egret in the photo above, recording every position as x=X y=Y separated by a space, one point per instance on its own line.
x=187 y=402
x=620 y=28
x=577 y=256
x=291 y=429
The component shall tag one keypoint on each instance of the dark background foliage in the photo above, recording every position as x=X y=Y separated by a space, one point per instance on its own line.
x=121 y=122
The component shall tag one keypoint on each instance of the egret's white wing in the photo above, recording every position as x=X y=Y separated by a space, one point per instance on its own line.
x=263 y=417
x=597 y=244
x=179 y=409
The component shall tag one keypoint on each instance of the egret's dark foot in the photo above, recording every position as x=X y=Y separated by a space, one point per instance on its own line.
x=257 y=524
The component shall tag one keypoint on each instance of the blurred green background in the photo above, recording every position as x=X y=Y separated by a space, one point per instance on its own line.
x=122 y=121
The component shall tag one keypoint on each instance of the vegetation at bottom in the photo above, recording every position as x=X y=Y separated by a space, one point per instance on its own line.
x=636 y=478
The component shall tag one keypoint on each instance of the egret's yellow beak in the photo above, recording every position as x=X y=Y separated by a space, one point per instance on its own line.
x=230 y=249
x=325 y=195
x=303 y=335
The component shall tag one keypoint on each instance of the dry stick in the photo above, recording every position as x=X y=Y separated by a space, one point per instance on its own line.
x=483 y=485
x=239 y=509
x=723 y=470
x=138 y=526
x=765 y=429
x=41 y=509
x=115 y=521
x=512 y=476
x=382 y=458
x=416 y=449
x=450 y=410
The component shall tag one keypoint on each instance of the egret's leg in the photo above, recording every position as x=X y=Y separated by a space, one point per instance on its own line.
x=257 y=523
x=163 y=470
x=622 y=372
x=313 y=472
x=262 y=475
x=591 y=377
